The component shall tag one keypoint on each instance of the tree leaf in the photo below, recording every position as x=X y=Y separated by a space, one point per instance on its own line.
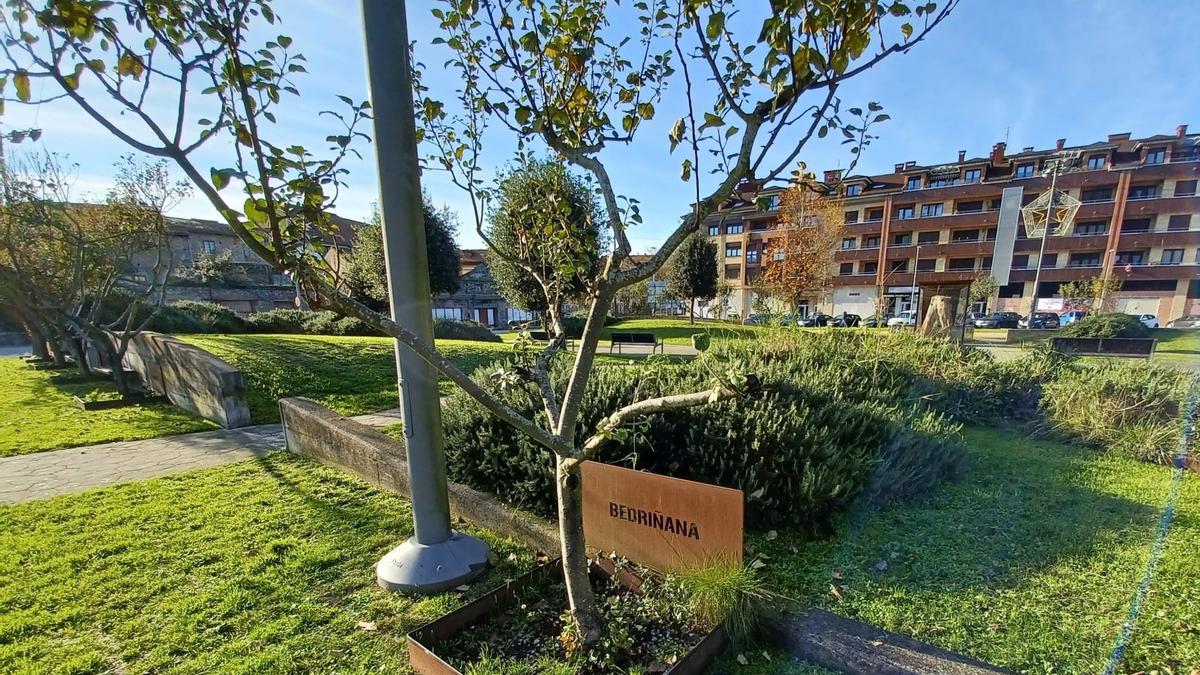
x=21 y=82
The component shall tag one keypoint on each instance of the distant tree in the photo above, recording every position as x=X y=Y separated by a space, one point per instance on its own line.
x=633 y=300
x=692 y=272
x=543 y=235
x=1090 y=293
x=799 y=260
x=365 y=272
x=211 y=269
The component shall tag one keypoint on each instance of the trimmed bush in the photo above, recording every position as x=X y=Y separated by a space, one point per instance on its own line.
x=1112 y=325
x=1131 y=408
x=574 y=324
x=700 y=342
x=447 y=329
x=802 y=451
x=278 y=321
x=195 y=316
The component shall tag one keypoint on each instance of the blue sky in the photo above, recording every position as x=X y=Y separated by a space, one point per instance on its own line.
x=1030 y=69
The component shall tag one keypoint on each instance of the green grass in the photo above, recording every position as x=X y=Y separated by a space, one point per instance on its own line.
x=37 y=412
x=263 y=566
x=1029 y=561
x=351 y=375
x=1177 y=346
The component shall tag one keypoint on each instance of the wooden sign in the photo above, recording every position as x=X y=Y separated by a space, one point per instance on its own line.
x=661 y=522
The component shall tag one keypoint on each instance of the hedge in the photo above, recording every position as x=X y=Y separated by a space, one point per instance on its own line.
x=1112 y=325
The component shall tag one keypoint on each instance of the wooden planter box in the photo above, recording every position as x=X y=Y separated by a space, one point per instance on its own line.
x=125 y=401
x=1130 y=347
x=424 y=640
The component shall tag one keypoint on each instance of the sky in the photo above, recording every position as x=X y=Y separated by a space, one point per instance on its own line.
x=1029 y=71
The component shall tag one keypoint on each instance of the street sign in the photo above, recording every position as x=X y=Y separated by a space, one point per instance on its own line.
x=664 y=523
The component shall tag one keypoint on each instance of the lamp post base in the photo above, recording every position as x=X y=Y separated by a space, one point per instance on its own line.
x=412 y=567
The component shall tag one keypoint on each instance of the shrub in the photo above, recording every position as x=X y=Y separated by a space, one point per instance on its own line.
x=282 y=320
x=171 y=319
x=700 y=342
x=1112 y=325
x=801 y=451
x=1131 y=408
x=574 y=324
x=195 y=316
x=447 y=329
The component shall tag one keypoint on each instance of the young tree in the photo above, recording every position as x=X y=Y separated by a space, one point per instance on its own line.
x=799 y=261
x=1090 y=293
x=546 y=219
x=365 y=272
x=692 y=272
x=212 y=269
x=573 y=77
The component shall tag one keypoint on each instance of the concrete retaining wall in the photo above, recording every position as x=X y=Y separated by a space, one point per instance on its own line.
x=190 y=377
x=314 y=431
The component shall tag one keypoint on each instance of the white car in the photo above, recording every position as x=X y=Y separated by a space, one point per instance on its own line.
x=1148 y=320
x=905 y=318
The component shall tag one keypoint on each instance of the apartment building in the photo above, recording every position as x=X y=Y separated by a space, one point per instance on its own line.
x=924 y=230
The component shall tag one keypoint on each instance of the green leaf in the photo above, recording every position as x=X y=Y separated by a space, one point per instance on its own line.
x=716 y=25
x=686 y=172
x=711 y=120
x=21 y=82
x=677 y=131
x=907 y=30
x=220 y=177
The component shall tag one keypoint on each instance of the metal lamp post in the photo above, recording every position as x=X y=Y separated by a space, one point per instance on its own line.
x=436 y=557
x=1059 y=207
x=912 y=293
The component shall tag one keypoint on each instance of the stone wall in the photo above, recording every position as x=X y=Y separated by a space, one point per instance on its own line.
x=314 y=431
x=190 y=377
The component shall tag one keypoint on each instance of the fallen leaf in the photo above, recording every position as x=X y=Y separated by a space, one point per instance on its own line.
x=464 y=587
x=837 y=574
x=876 y=643
x=367 y=625
x=741 y=658
x=771 y=535
x=766 y=655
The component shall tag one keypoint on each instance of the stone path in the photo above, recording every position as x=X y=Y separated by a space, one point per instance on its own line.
x=47 y=474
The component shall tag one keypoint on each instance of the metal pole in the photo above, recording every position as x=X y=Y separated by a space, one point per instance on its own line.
x=912 y=293
x=1037 y=273
x=435 y=558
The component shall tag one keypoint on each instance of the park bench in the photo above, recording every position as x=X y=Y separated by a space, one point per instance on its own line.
x=544 y=336
x=1140 y=348
x=619 y=339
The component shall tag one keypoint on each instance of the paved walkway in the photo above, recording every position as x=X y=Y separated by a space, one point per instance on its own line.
x=47 y=474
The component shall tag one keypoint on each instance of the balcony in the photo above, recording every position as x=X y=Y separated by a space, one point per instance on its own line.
x=1159 y=204
x=1160 y=239
x=1093 y=242
x=848 y=255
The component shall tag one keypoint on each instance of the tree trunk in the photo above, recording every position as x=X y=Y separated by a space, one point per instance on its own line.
x=574 y=554
x=37 y=342
x=56 y=352
x=76 y=348
x=692 y=311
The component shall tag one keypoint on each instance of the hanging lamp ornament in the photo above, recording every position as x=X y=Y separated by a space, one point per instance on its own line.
x=1053 y=207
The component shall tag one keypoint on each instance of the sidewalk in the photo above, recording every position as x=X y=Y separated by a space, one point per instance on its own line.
x=48 y=474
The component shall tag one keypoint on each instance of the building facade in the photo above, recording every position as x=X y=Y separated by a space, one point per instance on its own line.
x=924 y=230
x=477 y=298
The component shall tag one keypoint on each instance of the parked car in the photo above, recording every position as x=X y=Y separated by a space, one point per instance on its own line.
x=1068 y=318
x=846 y=320
x=905 y=318
x=972 y=317
x=999 y=320
x=1039 y=321
x=814 y=320
x=1186 y=321
x=1148 y=320
x=874 y=321
x=758 y=319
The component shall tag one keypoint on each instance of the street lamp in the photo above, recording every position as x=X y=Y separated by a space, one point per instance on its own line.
x=1050 y=206
x=912 y=292
x=435 y=558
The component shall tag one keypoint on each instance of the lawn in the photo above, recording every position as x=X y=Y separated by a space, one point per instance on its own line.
x=351 y=375
x=1178 y=347
x=262 y=566
x=1030 y=561
x=37 y=413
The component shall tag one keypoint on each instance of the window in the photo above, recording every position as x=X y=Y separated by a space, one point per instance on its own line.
x=994 y=205
x=451 y=313
x=904 y=213
x=733 y=251
x=849 y=243
x=1049 y=260
x=960 y=264
x=209 y=246
x=1014 y=290
x=1090 y=259
x=853 y=190
x=1095 y=162
x=970 y=207
x=898 y=266
x=987 y=263
x=991 y=234
x=972 y=175
x=870 y=267
x=732 y=271
x=520 y=315
x=871 y=242
x=1023 y=171
x=751 y=255
x=851 y=217
x=930 y=237
x=1130 y=257
x=777 y=256
x=735 y=228
x=965 y=235
x=914 y=183
x=1135 y=226
x=1172 y=256
x=1179 y=223
x=926 y=265
x=874 y=215
x=768 y=203
x=1143 y=192
x=1020 y=262
x=1091 y=228
x=1156 y=156
x=1185 y=188
x=930 y=210
x=714 y=230
x=942 y=182
x=1096 y=195
x=902 y=239
x=846 y=269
